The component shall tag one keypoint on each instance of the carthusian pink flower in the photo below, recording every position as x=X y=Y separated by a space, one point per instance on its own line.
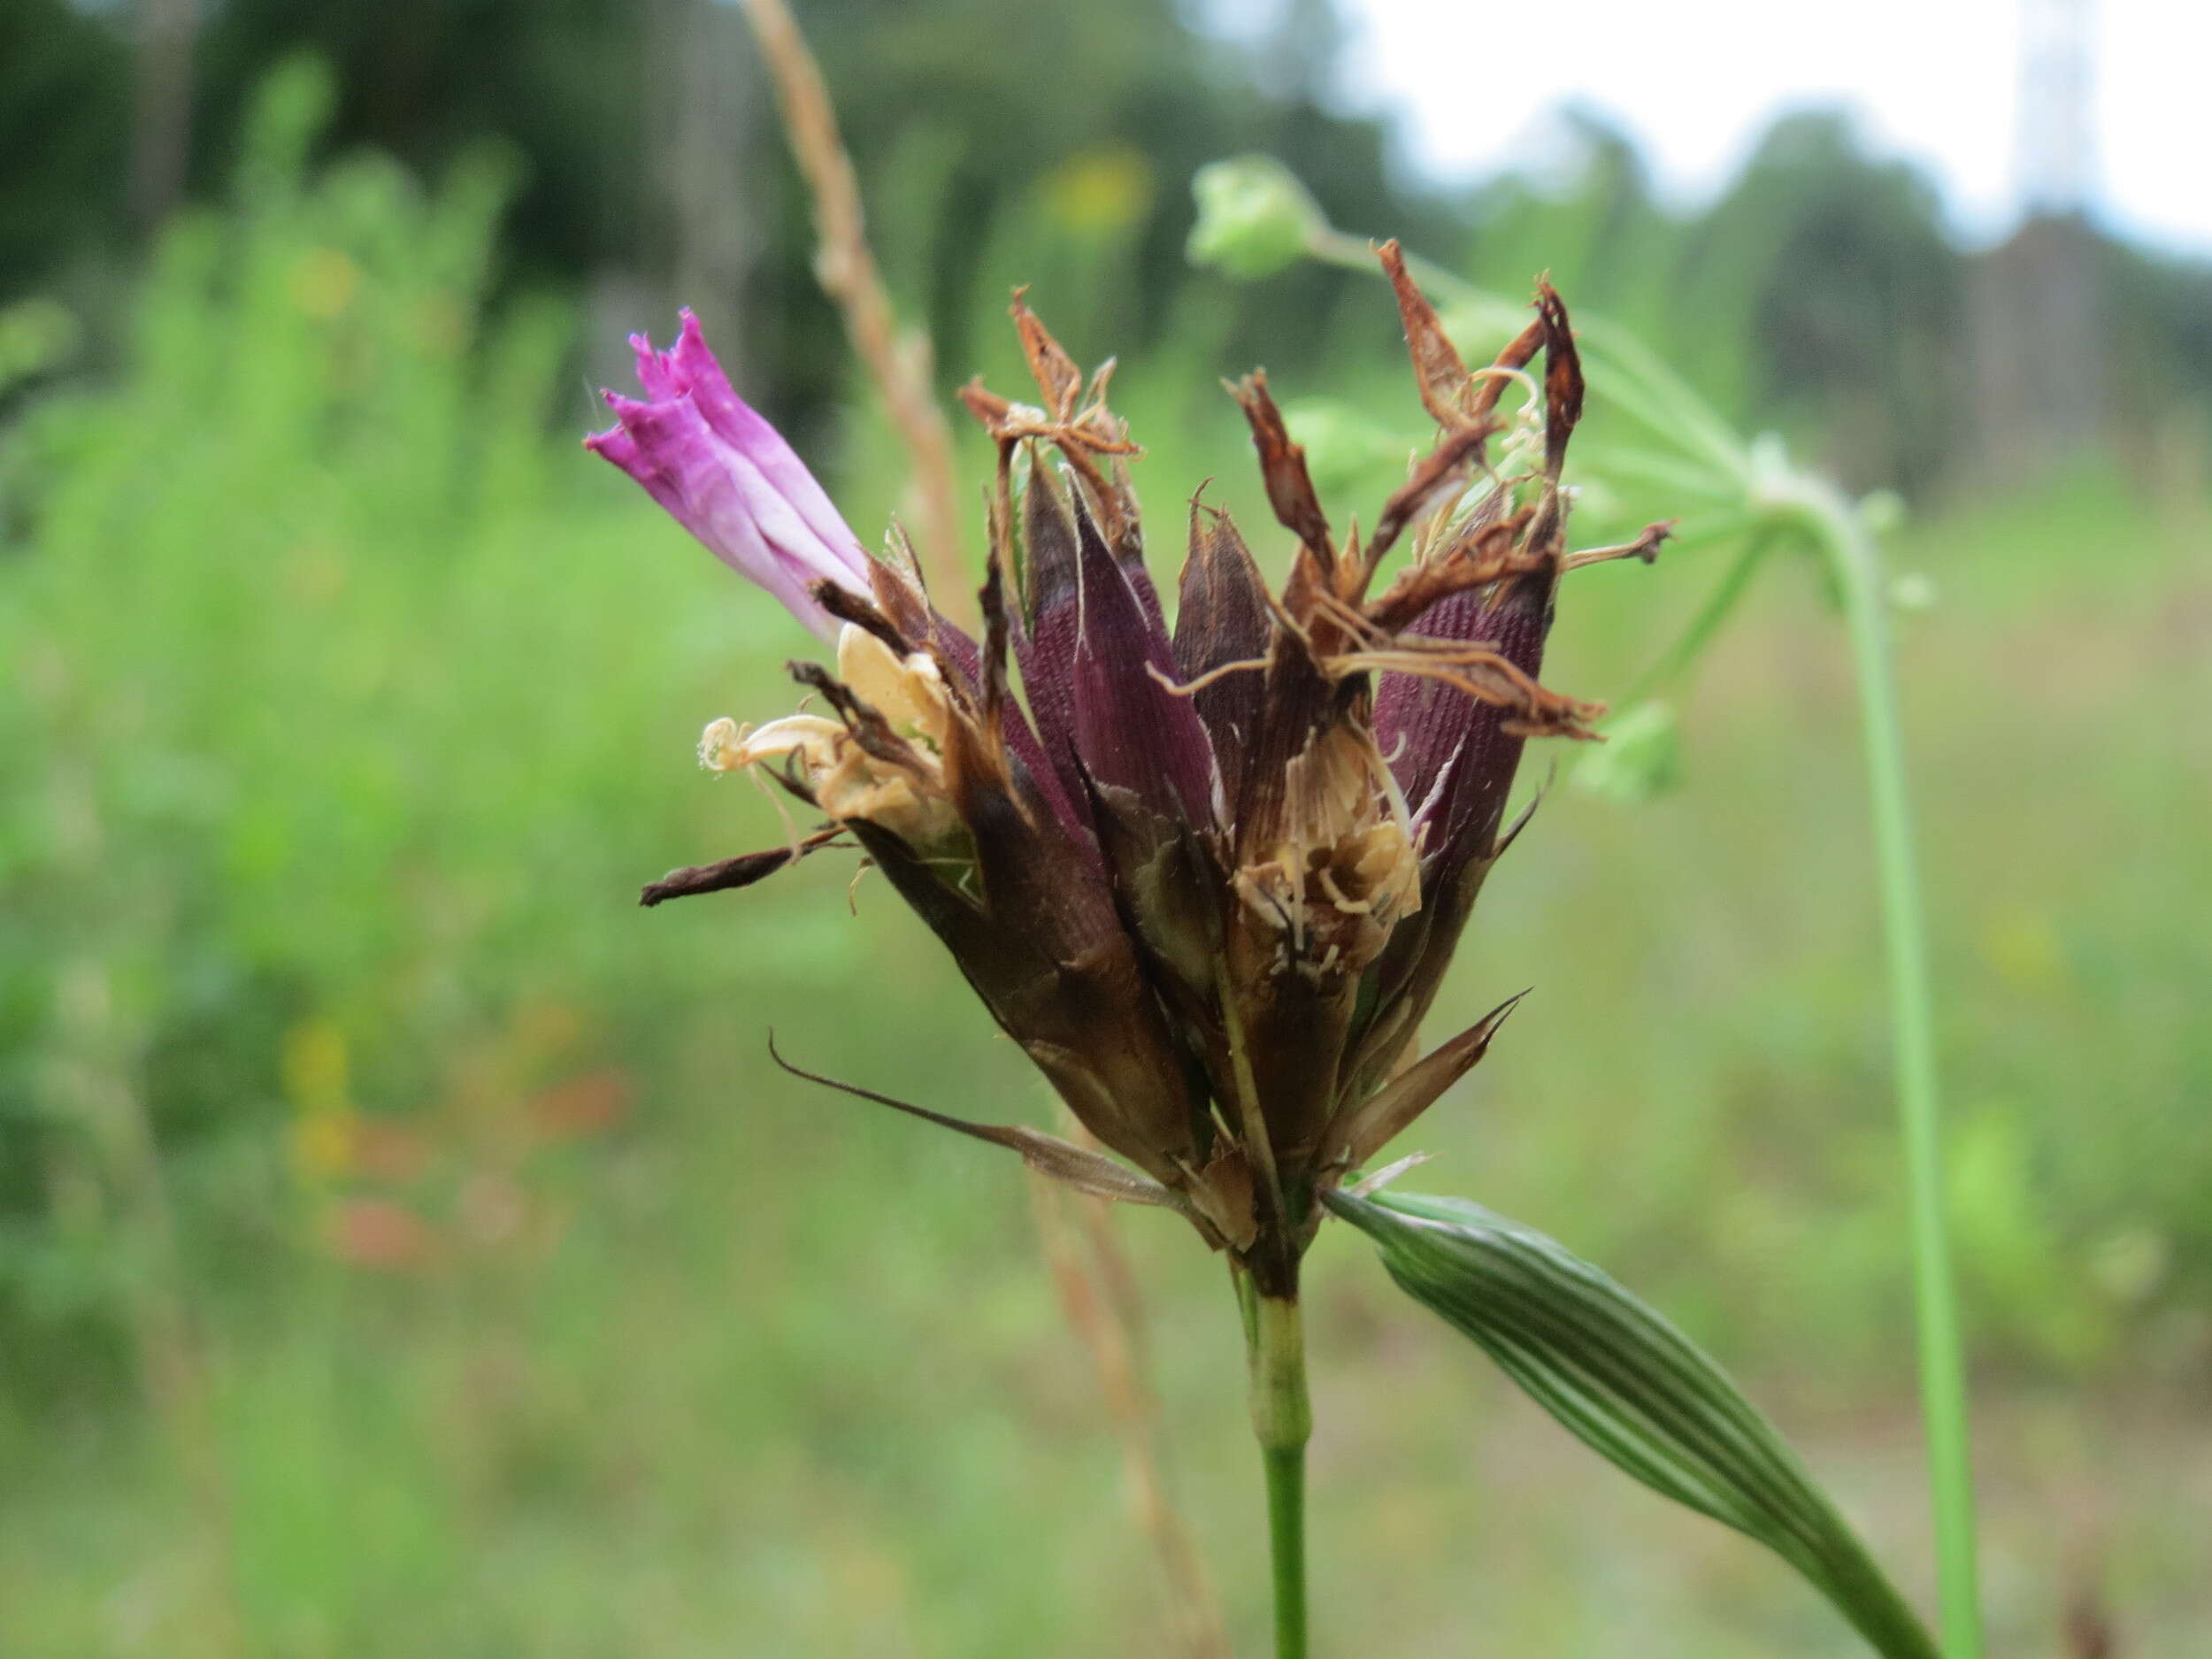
x=727 y=476
x=1208 y=877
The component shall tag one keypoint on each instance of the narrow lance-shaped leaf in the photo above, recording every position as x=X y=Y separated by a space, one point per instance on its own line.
x=1632 y=1387
x=1078 y=1167
x=1367 y=1128
x=740 y=872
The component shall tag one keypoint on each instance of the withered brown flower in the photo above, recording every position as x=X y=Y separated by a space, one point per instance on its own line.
x=1208 y=877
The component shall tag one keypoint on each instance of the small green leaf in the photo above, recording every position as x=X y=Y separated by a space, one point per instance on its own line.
x=1632 y=1387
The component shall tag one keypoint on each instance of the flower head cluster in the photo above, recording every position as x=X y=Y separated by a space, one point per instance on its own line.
x=1208 y=877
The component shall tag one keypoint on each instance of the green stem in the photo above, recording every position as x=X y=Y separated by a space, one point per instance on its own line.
x=1857 y=562
x=1282 y=1420
x=1719 y=606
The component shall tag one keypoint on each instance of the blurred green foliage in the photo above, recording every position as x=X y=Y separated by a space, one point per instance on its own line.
x=348 y=703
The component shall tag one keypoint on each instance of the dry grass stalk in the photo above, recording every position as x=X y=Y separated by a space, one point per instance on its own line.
x=899 y=365
x=1099 y=1297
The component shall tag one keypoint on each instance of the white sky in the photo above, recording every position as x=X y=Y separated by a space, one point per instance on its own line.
x=1695 y=81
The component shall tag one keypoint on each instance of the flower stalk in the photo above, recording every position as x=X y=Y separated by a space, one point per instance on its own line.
x=1282 y=1421
x=1858 y=565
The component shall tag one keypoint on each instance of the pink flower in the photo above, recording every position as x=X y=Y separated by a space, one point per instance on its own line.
x=727 y=476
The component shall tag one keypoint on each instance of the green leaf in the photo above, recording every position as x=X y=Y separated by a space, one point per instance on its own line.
x=1632 y=1387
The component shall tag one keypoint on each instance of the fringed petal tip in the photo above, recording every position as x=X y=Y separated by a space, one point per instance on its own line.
x=722 y=471
x=630 y=411
x=671 y=373
x=619 y=442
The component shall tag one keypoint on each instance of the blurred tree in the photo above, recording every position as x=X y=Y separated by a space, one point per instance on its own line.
x=2156 y=322
x=697 y=154
x=161 y=118
x=1586 y=213
x=1838 y=263
x=64 y=82
x=985 y=100
x=2039 y=347
x=1819 y=290
x=564 y=81
x=653 y=169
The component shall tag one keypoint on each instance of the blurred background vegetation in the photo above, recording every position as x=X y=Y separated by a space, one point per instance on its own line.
x=404 y=1248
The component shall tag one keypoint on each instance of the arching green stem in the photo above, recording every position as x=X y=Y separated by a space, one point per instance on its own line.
x=1856 y=562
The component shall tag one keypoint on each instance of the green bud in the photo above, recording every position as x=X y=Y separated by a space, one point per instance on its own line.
x=1254 y=217
x=1640 y=758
